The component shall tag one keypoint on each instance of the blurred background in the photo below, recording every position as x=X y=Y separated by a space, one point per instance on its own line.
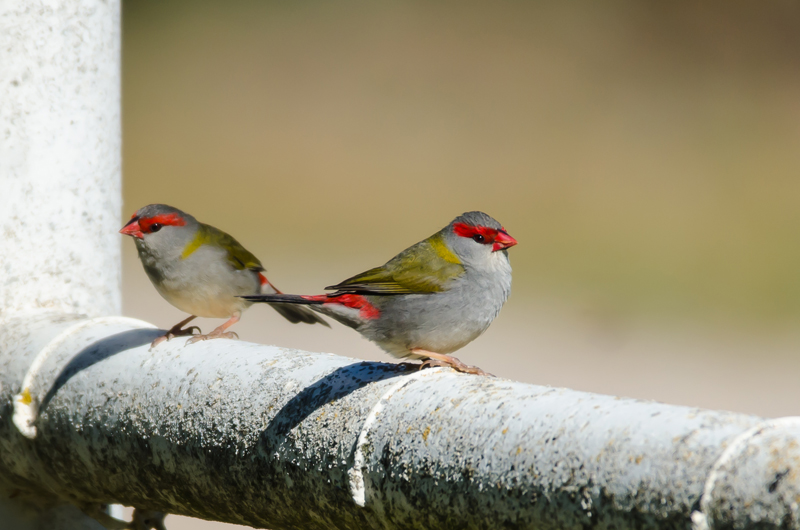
x=646 y=156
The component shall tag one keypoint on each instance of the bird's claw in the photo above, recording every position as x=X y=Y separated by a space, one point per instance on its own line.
x=212 y=335
x=467 y=369
x=159 y=340
x=458 y=366
x=175 y=332
x=432 y=363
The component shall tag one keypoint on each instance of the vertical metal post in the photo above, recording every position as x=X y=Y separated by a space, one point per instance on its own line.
x=60 y=156
x=60 y=164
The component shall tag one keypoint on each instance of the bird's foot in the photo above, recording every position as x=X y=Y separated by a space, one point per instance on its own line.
x=175 y=332
x=458 y=367
x=432 y=363
x=220 y=332
x=213 y=335
x=440 y=359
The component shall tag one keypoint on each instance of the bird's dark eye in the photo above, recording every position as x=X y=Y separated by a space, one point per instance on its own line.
x=478 y=238
x=155 y=227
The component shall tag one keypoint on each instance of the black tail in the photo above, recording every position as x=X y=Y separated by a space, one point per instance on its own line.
x=282 y=303
x=280 y=299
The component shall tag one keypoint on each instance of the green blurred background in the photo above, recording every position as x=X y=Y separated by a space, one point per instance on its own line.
x=646 y=156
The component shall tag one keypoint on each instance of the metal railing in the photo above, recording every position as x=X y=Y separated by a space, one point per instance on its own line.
x=279 y=438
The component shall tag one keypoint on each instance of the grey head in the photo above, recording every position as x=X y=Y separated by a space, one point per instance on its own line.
x=478 y=239
x=161 y=230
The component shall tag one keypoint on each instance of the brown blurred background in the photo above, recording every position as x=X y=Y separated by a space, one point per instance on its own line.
x=645 y=155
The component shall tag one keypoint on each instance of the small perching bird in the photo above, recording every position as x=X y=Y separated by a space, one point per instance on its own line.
x=431 y=299
x=201 y=270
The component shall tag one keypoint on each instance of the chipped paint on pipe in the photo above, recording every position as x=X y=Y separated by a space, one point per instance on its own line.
x=271 y=437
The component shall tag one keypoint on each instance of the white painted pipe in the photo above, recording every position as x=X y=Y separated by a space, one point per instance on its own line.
x=278 y=438
x=60 y=180
x=60 y=156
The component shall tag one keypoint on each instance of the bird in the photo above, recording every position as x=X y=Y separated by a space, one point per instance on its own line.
x=431 y=299
x=202 y=271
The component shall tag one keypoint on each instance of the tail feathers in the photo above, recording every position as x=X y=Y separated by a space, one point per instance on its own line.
x=285 y=305
x=295 y=314
x=352 y=310
x=280 y=298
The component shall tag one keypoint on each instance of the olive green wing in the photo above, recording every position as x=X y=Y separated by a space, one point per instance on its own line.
x=426 y=267
x=238 y=256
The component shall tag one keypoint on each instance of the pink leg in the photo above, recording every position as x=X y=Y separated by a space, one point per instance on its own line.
x=176 y=331
x=220 y=332
x=440 y=359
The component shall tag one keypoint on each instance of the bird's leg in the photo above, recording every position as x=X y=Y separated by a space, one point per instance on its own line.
x=440 y=359
x=177 y=331
x=433 y=363
x=220 y=332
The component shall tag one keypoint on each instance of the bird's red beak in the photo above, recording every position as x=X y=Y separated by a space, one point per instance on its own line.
x=133 y=229
x=503 y=240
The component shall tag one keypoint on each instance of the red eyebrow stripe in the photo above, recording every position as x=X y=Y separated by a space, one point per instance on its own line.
x=465 y=230
x=167 y=219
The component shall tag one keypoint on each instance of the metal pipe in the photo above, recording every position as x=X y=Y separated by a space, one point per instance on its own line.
x=279 y=438
x=60 y=156
x=60 y=180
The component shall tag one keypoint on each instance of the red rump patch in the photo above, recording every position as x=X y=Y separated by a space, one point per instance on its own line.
x=264 y=281
x=465 y=230
x=367 y=311
x=165 y=219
